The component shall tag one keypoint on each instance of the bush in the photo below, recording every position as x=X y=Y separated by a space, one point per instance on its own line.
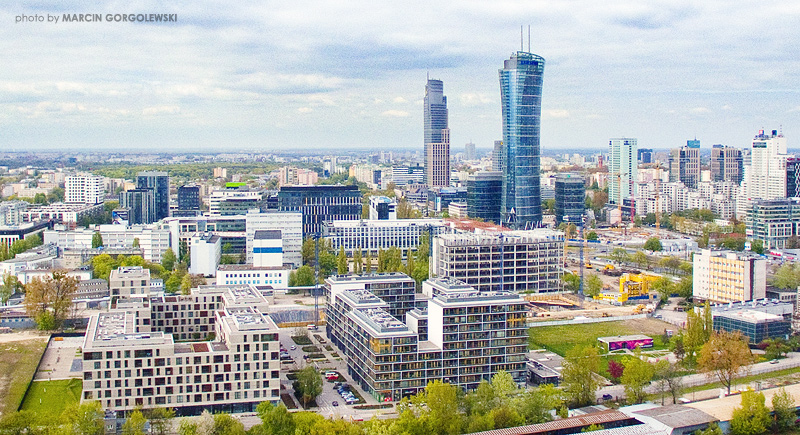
x=301 y=340
x=310 y=349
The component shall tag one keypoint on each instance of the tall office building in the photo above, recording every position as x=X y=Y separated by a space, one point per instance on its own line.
x=141 y=205
x=645 y=155
x=437 y=135
x=320 y=204
x=521 y=100
x=765 y=175
x=793 y=177
x=497 y=156
x=483 y=202
x=469 y=151
x=570 y=192
x=83 y=189
x=726 y=164
x=684 y=164
x=189 y=198
x=622 y=169
x=159 y=183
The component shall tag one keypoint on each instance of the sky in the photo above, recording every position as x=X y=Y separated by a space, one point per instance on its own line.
x=351 y=74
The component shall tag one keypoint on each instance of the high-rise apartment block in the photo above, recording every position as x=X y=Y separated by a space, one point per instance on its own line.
x=319 y=204
x=726 y=164
x=570 y=198
x=521 y=102
x=437 y=135
x=158 y=182
x=622 y=169
x=84 y=189
x=726 y=276
x=516 y=261
x=462 y=337
x=765 y=172
x=131 y=357
x=483 y=199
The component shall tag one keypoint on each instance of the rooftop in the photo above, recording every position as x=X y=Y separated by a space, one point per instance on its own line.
x=267 y=234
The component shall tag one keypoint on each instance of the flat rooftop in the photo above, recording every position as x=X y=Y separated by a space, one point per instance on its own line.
x=380 y=321
x=623 y=338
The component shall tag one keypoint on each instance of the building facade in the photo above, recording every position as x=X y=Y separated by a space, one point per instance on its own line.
x=84 y=189
x=371 y=236
x=319 y=204
x=570 y=196
x=189 y=198
x=141 y=206
x=158 y=182
x=726 y=276
x=521 y=101
x=437 y=135
x=684 y=164
x=483 y=200
x=726 y=164
x=765 y=170
x=774 y=221
x=622 y=169
x=515 y=261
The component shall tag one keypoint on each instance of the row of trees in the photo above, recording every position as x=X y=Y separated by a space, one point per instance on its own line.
x=19 y=246
x=175 y=274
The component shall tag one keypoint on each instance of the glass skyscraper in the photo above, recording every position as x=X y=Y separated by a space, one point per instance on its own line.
x=521 y=98
x=437 y=135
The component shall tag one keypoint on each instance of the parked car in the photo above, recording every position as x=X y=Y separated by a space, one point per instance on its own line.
x=335 y=403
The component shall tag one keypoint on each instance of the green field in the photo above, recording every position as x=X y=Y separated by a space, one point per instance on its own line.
x=18 y=361
x=562 y=338
x=53 y=397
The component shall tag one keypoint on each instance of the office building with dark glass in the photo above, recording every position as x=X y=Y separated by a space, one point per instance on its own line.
x=141 y=205
x=437 y=135
x=320 y=204
x=570 y=197
x=521 y=100
x=727 y=164
x=158 y=182
x=483 y=199
x=189 y=198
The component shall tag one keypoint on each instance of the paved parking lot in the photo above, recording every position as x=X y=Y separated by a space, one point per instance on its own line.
x=61 y=361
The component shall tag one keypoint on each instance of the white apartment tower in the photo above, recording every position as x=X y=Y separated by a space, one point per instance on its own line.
x=765 y=175
x=622 y=168
x=84 y=189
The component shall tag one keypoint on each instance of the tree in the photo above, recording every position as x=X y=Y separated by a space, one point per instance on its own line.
x=670 y=263
x=724 y=356
x=592 y=236
x=225 y=424
x=684 y=287
x=638 y=374
x=368 y=263
x=783 y=410
x=663 y=286
x=49 y=300
x=535 y=405
x=578 y=380
x=571 y=282
x=653 y=244
x=358 y=262
x=134 y=424
x=677 y=347
x=549 y=205
x=442 y=400
x=160 y=420
x=303 y=277
x=503 y=385
x=592 y=286
x=190 y=281
x=183 y=251
x=97 y=240
x=712 y=429
x=787 y=276
x=10 y=286
x=168 y=259
x=668 y=379
x=615 y=370
x=409 y=268
x=641 y=260
x=620 y=255
x=341 y=262
x=308 y=384
x=84 y=419
x=752 y=418
x=757 y=246
x=275 y=420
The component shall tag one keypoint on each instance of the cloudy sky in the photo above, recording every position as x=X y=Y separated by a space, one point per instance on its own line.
x=334 y=74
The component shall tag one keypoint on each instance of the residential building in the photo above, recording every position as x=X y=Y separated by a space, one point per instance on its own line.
x=382 y=208
x=128 y=281
x=131 y=359
x=84 y=189
x=521 y=102
x=238 y=274
x=319 y=204
x=291 y=176
x=11 y=213
x=158 y=182
x=483 y=201
x=152 y=240
x=437 y=135
x=516 y=261
x=141 y=205
x=205 y=254
x=726 y=164
x=570 y=196
x=371 y=236
x=189 y=198
x=622 y=169
x=774 y=221
x=61 y=212
x=462 y=337
x=756 y=320
x=726 y=276
x=765 y=170
x=396 y=290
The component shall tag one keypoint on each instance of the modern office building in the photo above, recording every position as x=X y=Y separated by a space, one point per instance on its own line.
x=462 y=337
x=469 y=151
x=84 y=189
x=521 y=101
x=756 y=320
x=141 y=205
x=645 y=155
x=773 y=221
x=129 y=281
x=437 y=135
x=371 y=236
x=159 y=183
x=570 y=195
x=439 y=198
x=319 y=204
x=396 y=290
x=497 y=156
x=483 y=196
x=684 y=164
x=382 y=208
x=290 y=226
x=234 y=201
x=793 y=177
x=131 y=357
x=622 y=169
x=205 y=254
x=189 y=198
x=727 y=276
x=516 y=261
x=267 y=248
x=726 y=164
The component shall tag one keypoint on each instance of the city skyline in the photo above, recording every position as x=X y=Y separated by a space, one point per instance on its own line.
x=327 y=75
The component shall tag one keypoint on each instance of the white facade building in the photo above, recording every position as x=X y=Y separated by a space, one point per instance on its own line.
x=726 y=276
x=764 y=170
x=84 y=189
x=205 y=254
x=290 y=224
x=622 y=167
x=239 y=274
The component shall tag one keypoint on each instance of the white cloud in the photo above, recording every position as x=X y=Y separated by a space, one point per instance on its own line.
x=161 y=110
x=399 y=100
x=556 y=114
x=395 y=113
x=305 y=110
x=471 y=99
x=700 y=110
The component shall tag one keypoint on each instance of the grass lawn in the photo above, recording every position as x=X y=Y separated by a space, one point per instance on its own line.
x=18 y=360
x=561 y=338
x=55 y=396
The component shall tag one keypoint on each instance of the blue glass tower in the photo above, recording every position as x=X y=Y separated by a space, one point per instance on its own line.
x=521 y=98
